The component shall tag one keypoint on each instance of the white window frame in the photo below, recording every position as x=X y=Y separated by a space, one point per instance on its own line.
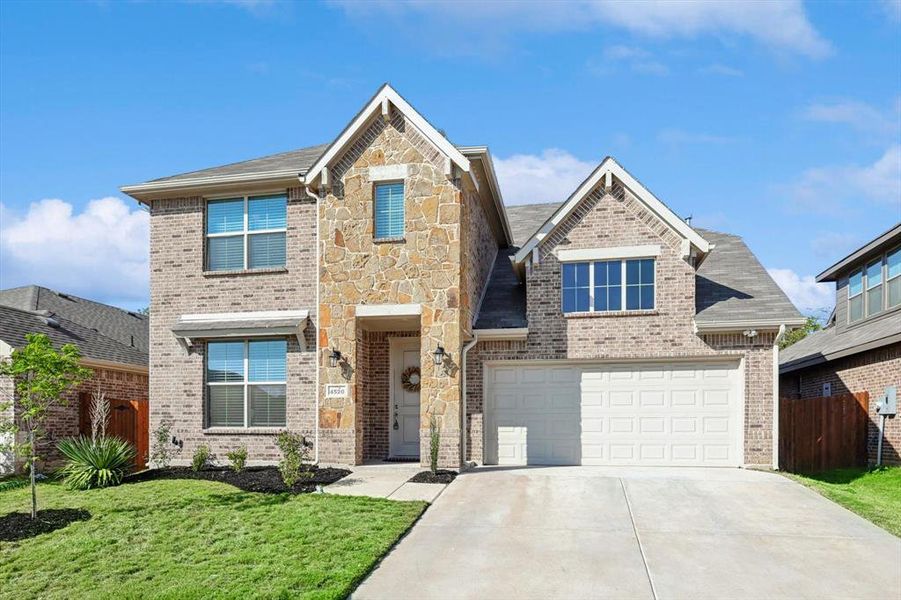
x=867 y=287
x=245 y=232
x=375 y=185
x=863 y=288
x=623 y=285
x=245 y=384
x=887 y=279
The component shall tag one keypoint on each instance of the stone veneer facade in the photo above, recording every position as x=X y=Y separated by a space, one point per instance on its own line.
x=424 y=267
x=179 y=285
x=871 y=371
x=665 y=332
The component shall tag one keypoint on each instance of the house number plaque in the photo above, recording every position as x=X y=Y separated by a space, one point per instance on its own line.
x=336 y=390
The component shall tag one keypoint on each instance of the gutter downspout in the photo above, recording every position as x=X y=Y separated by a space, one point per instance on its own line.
x=465 y=432
x=317 y=199
x=778 y=339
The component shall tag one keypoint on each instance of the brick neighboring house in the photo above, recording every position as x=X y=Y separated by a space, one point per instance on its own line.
x=113 y=344
x=356 y=290
x=860 y=348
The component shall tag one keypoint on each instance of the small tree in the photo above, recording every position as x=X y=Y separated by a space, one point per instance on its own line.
x=434 y=443
x=99 y=415
x=796 y=335
x=42 y=376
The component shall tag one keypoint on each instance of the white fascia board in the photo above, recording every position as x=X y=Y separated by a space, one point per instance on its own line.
x=375 y=106
x=513 y=334
x=726 y=326
x=143 y=191
x=261 y=315
x=585 y=254
x=609 y=165
x=388 y=310
x=483 y=154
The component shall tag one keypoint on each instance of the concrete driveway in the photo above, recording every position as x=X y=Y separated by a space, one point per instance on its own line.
x=592 y=532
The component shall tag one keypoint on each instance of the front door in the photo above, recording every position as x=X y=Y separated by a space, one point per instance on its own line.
x=404 y=409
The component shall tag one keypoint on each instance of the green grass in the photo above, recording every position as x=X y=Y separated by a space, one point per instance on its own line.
x=199 y=539
x=874 y=495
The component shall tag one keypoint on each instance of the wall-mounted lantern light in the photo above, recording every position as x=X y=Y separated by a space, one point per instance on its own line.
x=334 y=358
x=438 y=355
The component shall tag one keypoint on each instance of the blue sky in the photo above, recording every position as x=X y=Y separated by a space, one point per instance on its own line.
x=780 y=122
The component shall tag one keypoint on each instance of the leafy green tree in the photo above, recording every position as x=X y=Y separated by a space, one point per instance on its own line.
x=42 y=376
x=796 y=335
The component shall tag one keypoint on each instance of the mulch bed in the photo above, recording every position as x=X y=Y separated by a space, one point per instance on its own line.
x=20 y=526
x=266 y=480
x=441 y=476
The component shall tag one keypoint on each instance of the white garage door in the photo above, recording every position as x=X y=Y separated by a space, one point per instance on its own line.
x=616 y=414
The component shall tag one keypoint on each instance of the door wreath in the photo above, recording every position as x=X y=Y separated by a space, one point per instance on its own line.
x=411 y=379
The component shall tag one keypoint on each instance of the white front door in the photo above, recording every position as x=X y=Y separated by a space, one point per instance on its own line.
x=672 y=413
x=404 y=409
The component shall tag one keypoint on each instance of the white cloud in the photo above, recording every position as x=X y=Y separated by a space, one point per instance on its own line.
x=636 y=59
x=722 y=70
x=810 y=297
x=892 y=8
x=100 y=253
x=782 y=26
x=858 y=115
x=549 y=177
x=832 y=244
x=678 y=137
x=824 y=189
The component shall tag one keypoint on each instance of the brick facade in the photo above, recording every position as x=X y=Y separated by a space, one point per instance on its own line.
x=871 y=371
x=666 y=332
x=63 y=420
x=179 y=285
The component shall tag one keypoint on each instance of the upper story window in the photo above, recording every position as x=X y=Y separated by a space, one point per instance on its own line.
x=609 y=285
x=893 y=277
x=389 y=210
x=855 y=296
x=246 y=383
x=247 y=232
x=874 y=287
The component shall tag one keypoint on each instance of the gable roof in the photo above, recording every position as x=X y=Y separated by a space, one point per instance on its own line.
x=732 y=287
x=877 y=245
x=385 y=96
x=831 y=344
x=610 y=167
x=102 y=332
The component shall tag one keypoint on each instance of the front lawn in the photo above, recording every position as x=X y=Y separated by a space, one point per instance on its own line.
x=874 y=495
x=199 y=539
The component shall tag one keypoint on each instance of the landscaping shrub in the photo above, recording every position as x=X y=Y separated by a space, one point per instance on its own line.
x=295 y=457
x=238 y=458
x=201 y=457
x=163 y=448
x=95 y=464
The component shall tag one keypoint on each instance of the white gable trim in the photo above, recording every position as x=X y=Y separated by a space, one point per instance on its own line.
x=379 y=104
x=584 y=254
x=610 y=167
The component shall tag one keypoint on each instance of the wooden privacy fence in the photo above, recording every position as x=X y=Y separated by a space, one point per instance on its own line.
x=129 y=420
x=818 y=434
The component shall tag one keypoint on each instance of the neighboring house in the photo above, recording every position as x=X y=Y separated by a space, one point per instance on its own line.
x=357 y=290
x=860 y=348
x=113 y=344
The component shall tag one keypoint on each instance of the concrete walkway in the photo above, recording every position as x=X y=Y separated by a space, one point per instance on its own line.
x=385 y=480
x=584 y=532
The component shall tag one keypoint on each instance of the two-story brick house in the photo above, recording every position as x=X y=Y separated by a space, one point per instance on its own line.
x=362 y=290
x=859 y=350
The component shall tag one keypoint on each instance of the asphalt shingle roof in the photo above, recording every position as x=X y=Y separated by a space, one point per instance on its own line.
x=732 y=285
x=299 y=160
x=829 y=343
x=101 y=331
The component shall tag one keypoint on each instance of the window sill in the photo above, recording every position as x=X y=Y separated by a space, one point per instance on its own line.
x=611 y=314
x=242 y=430
x=261 y=271
x=390 y=240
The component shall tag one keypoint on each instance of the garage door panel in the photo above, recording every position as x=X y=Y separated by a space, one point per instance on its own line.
x=653 y=414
